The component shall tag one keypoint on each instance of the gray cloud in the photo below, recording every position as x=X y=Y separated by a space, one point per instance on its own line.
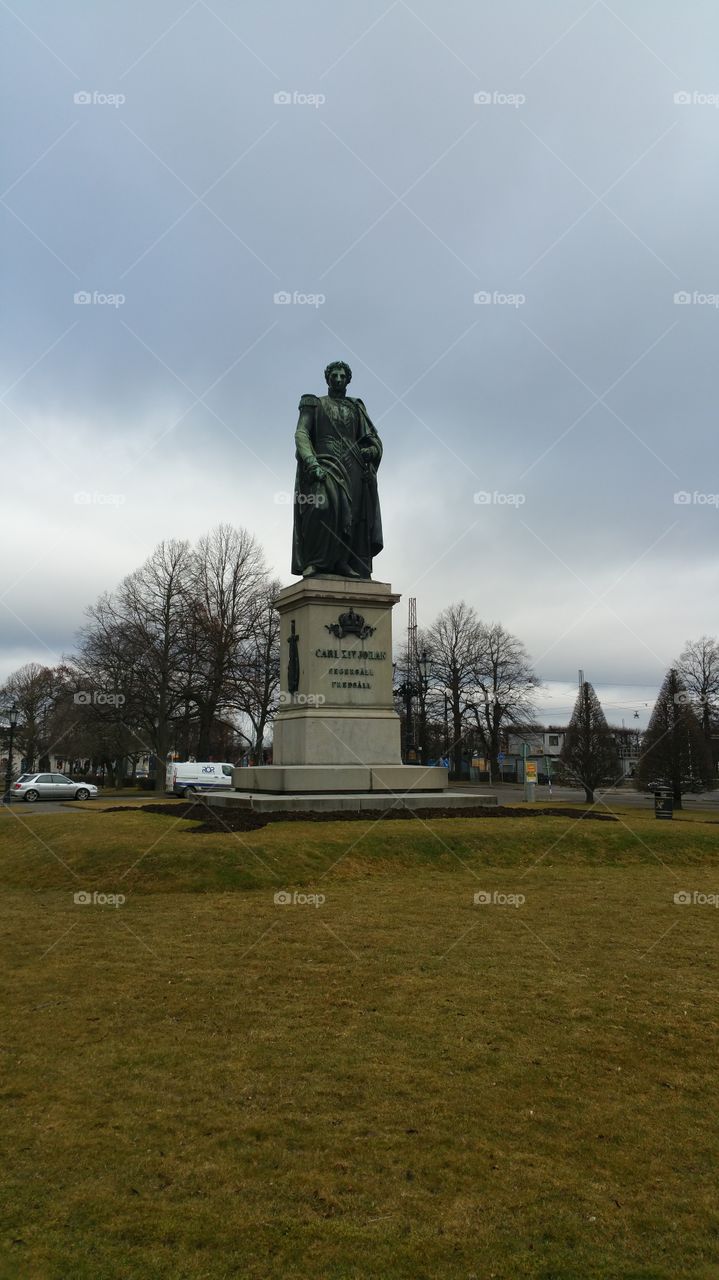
x=399 y=198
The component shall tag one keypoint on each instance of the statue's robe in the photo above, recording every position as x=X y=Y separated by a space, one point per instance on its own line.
x=337 y=521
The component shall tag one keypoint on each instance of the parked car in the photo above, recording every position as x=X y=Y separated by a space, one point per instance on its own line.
x=182 y=778
x=50 y=786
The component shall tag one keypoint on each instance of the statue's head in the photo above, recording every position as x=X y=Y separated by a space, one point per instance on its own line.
x=338 y=375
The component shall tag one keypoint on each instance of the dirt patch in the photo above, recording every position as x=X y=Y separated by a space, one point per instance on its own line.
x=218 y=820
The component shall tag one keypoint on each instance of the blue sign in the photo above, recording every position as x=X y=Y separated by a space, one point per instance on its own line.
x=500 y=757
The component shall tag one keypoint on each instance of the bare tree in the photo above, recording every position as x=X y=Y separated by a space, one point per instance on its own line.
x=154 y=608
x=158 y=662
x=698 y=667
x=504 y=687
x=32 y=689
x=257 y=668
x=453 y=645
x=102 y=684
x=228 y=579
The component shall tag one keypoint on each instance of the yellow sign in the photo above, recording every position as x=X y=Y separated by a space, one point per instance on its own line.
x=531 y=771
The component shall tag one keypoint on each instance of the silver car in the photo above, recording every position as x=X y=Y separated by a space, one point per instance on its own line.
x=50 y=786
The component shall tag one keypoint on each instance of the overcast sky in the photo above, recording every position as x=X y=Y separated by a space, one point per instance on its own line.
x=559 y=159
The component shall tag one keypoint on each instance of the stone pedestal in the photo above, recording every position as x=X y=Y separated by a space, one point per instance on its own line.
x=336 y=729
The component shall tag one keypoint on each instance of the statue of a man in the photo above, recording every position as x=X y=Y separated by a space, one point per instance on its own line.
x=337 y=521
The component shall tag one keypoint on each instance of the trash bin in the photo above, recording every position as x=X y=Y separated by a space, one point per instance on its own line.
x=663 y=803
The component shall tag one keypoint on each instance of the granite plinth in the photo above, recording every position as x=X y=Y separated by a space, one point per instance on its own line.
x=324 y=779
x=348 y=802
x=336 y=733
x=338 y=709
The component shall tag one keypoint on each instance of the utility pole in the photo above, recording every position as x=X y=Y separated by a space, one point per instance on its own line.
x=410 y=749
x=409 y=689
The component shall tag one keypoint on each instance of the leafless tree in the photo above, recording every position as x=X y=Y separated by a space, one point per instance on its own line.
x=154 y=607
x=453 y=643
x=698 y=667
x=104 y=673
x=32 y=689
x=228 y=578
x=256 y=671
x=504 y=685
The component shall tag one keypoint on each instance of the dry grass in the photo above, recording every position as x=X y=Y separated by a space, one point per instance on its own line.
x=397 y=1083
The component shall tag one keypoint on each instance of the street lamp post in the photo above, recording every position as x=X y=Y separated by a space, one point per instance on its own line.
x=422 y=666
x=12 y=719
x=409 y=690
x=409 y=747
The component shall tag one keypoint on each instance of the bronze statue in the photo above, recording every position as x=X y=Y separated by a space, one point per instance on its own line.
x=337 y=520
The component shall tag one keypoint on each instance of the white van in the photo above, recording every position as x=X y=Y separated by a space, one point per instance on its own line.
x=197 y=775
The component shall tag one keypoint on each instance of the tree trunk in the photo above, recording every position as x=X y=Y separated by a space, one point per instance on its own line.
x=203 y=736
x=457 y=744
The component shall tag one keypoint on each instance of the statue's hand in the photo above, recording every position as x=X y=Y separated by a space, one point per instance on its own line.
x=317 y=472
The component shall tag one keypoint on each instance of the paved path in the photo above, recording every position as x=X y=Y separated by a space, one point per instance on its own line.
x=511 y=793
x=24 y=809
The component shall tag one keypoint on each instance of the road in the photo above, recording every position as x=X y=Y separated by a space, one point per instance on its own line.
x=508 y=793
x=72 y=806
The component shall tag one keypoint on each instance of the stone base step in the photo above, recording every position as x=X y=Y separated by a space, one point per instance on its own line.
x=354 y=802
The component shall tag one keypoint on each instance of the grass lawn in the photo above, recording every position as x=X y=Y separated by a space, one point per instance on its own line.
x=396 y=1083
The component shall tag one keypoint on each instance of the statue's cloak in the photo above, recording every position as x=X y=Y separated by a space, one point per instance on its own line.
x=338 y=519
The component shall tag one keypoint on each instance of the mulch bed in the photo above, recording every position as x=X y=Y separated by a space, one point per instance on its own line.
x=227 y=819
